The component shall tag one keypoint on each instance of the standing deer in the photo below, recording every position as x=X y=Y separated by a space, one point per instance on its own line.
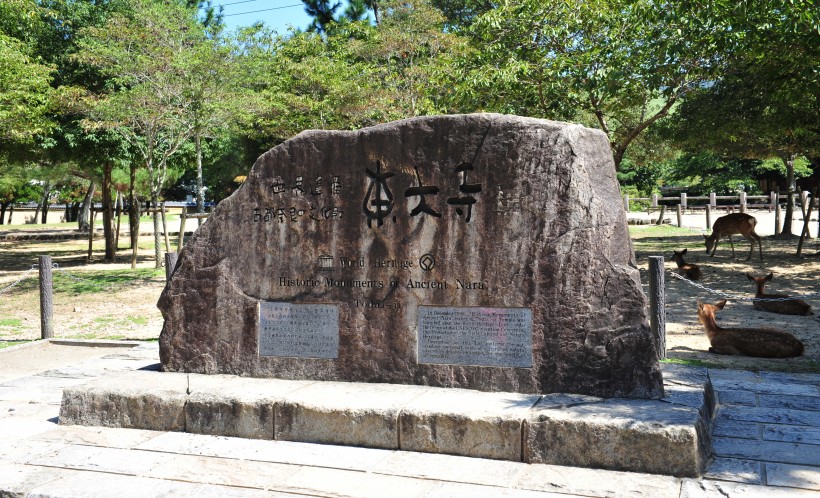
x=790 y=307
x=759 y=342
x=688 y=270
x=730 y=224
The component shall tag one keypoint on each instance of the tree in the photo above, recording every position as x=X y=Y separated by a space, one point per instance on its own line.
x=322 y=12
x=618 y=64
x=26 y=95
x=407 y=51
x=144 y=53
x=765 y=101
x=217 y=101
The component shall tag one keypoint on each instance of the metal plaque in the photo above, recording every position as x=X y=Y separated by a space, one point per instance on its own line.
x=298 y=330
x=490 y=337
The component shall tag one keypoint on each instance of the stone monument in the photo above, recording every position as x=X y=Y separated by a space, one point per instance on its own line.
x=480 y=251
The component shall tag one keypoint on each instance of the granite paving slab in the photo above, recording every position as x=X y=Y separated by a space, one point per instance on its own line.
x=598 y=483
x=792 y=434
x=451 y=468
x=795 y=476
x=329 y=456
x=691 y=488
x=736 y=470
x=773 y=416
x=768 y=451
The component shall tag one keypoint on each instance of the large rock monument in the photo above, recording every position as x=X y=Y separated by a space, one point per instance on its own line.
x=479 y=251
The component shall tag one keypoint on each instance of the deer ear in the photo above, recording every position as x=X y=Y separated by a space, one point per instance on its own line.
x=750 y=277
x=720 y=304
x=700 y=304
x=684 y=251
x=705 y=237
x=769 y=276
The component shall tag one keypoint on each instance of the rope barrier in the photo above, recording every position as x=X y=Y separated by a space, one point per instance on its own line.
x=56 y=266
x=25 y=276
x=736 y=297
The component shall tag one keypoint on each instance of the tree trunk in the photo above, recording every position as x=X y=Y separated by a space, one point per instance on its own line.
x=83 y=222
x=3 y=207
x=108 y=214
x=787 y=220
x=133 y=216
x=200 y=188
x=157 y=244
x=43 y=204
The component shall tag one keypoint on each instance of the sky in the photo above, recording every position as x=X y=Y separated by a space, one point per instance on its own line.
x=276 y=14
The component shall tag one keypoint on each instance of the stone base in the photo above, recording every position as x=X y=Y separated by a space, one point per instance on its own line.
x=669 y=436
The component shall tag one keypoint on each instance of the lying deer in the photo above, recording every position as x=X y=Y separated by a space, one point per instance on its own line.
x=759 y=342
x=730 y=224
x=688 y=270
x=790 y=307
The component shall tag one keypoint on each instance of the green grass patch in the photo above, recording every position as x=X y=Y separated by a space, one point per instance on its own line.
x=11 y=322
x=137 y=320
x=8 y=344
x=91 y=335
x=104 y=281
x=690 y=363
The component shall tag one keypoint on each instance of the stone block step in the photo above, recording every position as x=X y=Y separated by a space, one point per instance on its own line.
x=669 y=436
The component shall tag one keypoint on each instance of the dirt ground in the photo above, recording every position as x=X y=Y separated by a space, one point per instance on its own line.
x=116 y=311
x=128 y=311
x=723 y=274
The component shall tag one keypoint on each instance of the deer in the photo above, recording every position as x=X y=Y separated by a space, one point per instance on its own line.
x=728 y=225
x=789 y=307
x=688 y=270
x=759 y=342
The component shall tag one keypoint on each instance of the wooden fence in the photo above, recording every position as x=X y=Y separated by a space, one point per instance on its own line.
x=741 y=202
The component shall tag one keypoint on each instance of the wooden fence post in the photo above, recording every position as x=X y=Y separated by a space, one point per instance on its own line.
x=772 y=201
x=182 y=228
x=657 y=304
x=626 y=203
x=743 y=202
x=683 y=200
x=708 y=217
x=164 y=227
x=777 y=225
x=654 y=201
x=713 y=199
x=170 y=263
x=46 y=298
x=680 y=216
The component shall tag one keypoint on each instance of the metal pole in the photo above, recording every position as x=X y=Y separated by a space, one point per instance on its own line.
x=170 y=263
x=657 y=304
x=46 y=299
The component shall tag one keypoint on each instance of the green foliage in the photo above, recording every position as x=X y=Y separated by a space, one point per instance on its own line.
x=25 y=93
x=706 y=172
x=622 y=62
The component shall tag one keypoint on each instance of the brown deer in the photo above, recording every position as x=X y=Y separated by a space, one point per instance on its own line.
x=730 y=224
x=688 y=270
x=790 y=307
x=759 y=342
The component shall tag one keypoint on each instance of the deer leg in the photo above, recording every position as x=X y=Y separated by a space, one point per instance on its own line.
x=732 y=243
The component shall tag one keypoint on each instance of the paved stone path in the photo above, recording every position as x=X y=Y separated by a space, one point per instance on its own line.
x=766 y=441
x=767 y=429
